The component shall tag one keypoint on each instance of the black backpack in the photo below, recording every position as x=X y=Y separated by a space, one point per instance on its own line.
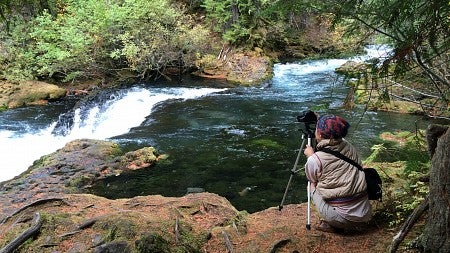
x=373 y=179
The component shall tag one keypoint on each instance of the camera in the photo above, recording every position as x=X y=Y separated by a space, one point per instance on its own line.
x=307 y=117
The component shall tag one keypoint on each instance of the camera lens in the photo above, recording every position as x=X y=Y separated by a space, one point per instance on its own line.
x=307 y=117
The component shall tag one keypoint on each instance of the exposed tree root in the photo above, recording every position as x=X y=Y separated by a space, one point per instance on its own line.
x=34 y=229
x=228 y=243
x=35 y=203
x=177 y=231
x=279 y=245
x=86 y=224
x=408 y=225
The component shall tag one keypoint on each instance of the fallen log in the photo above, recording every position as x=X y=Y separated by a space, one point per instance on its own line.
x=34 y=229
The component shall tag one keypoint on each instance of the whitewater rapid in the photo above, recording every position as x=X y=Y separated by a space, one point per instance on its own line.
x=101 y=121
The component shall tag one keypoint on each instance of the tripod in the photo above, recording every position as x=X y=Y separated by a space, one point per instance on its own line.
x=307 y=136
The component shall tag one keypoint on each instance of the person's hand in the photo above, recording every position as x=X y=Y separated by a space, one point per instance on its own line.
x=309 y=151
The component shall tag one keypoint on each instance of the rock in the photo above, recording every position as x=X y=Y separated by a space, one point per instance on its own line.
x=251 y=68
x=248 y=69
x=153 y=243
x=29 y=93
x=73 y=169
x=352 y=69
x=113 y=247
x=142 y=158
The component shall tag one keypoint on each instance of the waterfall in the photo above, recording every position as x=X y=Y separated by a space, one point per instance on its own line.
x=101 y=117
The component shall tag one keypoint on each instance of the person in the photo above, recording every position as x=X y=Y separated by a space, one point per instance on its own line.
x=338 y=189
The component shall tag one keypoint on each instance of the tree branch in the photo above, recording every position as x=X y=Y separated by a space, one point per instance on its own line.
x=411 y=89
x=432 y=75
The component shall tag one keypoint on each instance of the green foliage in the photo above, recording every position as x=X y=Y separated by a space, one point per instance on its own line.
x=207 y=61
x=249 y=22
x=404 y=161
x=97 y=38
x=27 y=8
x=156 y=36
x=401 y=146
x=402 y=197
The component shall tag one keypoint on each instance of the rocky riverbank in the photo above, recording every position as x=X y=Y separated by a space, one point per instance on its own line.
x=238 y=68
x=70 y=220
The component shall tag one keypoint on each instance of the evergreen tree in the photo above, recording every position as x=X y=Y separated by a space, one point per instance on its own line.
x=418 y=30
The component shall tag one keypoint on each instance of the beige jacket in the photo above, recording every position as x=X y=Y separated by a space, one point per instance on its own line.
x=337 y=178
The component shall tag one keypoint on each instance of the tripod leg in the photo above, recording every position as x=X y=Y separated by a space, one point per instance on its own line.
x=308 y=191
x=293 y=171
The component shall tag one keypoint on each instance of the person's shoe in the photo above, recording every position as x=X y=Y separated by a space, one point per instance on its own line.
x=325 y=227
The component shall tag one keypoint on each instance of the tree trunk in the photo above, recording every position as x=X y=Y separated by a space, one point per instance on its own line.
x=437 y=230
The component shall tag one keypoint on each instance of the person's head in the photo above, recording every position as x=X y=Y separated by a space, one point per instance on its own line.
x=331 y=127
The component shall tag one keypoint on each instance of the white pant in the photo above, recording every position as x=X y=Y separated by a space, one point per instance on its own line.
x=329 y=214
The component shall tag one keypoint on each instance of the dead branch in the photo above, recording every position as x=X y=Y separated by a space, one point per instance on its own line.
x=34 y=229
x=435 y=78
x=409 y=223
x=35 y=203
x=413 y=90
x=411 y=100
x=89 y=222
x=86 y=224
x=70 y=233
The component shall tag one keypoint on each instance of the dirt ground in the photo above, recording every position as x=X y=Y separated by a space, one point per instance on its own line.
x=216 y=224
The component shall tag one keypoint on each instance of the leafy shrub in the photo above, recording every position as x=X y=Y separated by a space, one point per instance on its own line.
x=90 y=38
x=404 y=161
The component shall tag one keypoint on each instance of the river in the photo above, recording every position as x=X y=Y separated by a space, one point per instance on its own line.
x=240 y=142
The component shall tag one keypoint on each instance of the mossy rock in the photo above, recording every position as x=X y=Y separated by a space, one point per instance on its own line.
x=352 y=69
x=151 y=242
x=267 y=143
x=33 y=93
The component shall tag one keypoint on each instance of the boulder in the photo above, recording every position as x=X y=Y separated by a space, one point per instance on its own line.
x=29 y=93
x=352 y=69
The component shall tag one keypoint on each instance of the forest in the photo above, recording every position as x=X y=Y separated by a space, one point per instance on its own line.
x=63 y=41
